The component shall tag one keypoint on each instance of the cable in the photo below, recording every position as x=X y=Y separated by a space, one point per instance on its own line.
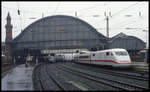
x=26 y=11
x=124 y=9
x=57 y=7
x=124 y=21
x=119 y=11
x=81 y=10
x=130 y=23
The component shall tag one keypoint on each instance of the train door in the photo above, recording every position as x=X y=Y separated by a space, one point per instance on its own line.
x=90 y=57
x=93 y=58
x=109 y=58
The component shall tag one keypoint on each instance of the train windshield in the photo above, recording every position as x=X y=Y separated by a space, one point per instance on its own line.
x=121 y=53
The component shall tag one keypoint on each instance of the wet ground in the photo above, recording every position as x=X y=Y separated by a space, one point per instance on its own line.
x=19 y=78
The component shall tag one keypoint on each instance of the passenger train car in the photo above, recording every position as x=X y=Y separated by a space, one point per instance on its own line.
x=59 y=57
x=51 y=59
x=112 y=57
x=68 y=57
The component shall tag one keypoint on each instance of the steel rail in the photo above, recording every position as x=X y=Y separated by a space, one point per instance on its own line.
x=108 y=80
x=91 y=78
x=55 y=80
x=36 y=74
x=41 y=84
x=122 y=74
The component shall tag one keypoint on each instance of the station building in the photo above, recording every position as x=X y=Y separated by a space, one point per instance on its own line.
x=61 y=33
x=131 y=43
x=56 y=34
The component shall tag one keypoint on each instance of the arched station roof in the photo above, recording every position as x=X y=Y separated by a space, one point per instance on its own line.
x=127 y=42
x=53 y=31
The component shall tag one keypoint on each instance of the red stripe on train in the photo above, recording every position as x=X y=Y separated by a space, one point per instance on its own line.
x=106 y=61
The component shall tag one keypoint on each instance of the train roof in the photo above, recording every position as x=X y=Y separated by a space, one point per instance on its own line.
x=114 y=49
x=84 y=52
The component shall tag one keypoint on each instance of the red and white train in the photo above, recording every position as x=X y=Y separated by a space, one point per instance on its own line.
x=112 y=57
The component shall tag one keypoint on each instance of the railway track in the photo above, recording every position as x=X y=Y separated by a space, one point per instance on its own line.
x=81 y=83
x=113 y=83
x=37 y=83
x=131 y=75
x=59 y=84
x=46 y=79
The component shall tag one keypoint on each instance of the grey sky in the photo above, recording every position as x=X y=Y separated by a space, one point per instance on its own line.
x=85 y=11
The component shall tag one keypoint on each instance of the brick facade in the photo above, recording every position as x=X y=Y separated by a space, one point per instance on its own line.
x=8 y=27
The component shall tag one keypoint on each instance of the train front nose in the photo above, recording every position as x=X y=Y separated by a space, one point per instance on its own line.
x=124 y=60
x=123 y=63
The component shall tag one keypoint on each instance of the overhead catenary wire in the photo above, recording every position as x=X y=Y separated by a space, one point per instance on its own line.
x=85 y=9
x=121 y=10
x=129 y=23
x=131 y=15
x=80 y=10
x=56 y=7
x=139 y=14
x=25 y=11
x=124 y=9
x=120 y=23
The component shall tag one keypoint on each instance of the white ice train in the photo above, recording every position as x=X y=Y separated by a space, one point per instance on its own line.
x=59 y=57
x=112 y=57
x=68 y=57
x=51 y=59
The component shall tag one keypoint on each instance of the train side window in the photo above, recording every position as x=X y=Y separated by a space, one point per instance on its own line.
x=83 y=56
x=111 y=54
x=93 y=54
x=107 y=53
